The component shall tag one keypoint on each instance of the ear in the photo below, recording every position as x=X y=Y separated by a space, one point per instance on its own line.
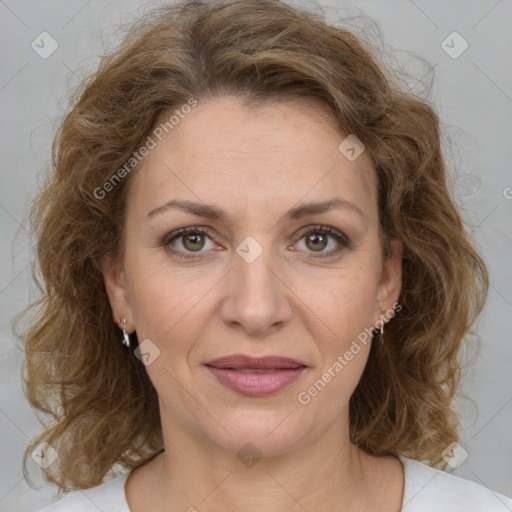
x=115 y=284
x=391 y=278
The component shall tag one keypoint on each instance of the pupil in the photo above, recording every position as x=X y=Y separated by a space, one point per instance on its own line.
x=318 y=240
x=196 y=242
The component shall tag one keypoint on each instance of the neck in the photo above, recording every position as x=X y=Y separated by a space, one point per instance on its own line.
x=193 y=473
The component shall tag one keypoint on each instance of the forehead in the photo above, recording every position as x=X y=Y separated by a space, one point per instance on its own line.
x=267 y=155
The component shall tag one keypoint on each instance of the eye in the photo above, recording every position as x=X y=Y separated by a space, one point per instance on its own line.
x=318 y=238
x=188 y=240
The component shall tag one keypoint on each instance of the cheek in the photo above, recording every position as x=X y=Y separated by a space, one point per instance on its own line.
x=164 y=301
x=340 y=317
x=342 y=357
x=332 y=387
x=344 y=300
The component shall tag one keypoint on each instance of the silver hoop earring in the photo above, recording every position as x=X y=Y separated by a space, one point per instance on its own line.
x=126 y=337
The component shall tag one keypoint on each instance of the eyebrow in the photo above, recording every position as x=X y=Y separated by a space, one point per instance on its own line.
x=215 y=213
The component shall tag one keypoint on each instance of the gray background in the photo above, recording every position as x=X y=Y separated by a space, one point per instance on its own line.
x=472 y=93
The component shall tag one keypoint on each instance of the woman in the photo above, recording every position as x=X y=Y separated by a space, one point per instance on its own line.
x=256 y=281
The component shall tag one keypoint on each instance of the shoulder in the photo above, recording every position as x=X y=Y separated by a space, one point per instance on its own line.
x=109 y=496
x=428 y=489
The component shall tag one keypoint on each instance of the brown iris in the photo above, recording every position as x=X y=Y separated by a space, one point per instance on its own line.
x=193 y=242
x=318 y=241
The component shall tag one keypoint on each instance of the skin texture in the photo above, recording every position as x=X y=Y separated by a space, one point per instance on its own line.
x=256 y=163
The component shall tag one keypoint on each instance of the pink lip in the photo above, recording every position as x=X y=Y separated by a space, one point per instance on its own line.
x=235 y=373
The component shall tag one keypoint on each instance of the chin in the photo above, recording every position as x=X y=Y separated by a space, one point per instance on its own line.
x=268 y=434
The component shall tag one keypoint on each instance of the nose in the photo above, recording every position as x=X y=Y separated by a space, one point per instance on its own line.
x=257 y=298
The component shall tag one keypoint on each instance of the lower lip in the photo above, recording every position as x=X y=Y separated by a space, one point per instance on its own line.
x=256 y=384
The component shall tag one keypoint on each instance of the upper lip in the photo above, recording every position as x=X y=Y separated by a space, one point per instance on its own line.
x=238 y=361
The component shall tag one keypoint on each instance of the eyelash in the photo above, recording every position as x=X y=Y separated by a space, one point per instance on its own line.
x=342 y=239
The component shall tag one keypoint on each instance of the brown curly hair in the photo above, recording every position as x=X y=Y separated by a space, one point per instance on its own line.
x=104 y=407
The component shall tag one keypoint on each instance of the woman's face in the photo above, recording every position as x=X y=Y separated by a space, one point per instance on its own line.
x=287 y=262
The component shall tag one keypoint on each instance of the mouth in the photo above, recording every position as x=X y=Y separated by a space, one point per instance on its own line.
x=256 y=376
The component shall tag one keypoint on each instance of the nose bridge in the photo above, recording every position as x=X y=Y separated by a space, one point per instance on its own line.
x=257 y=299
x=257 y=277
